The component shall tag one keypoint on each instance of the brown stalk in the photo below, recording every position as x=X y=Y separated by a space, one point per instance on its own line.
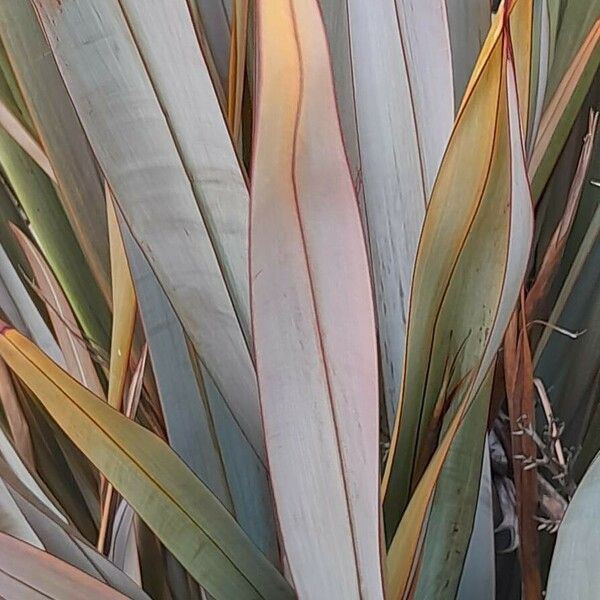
x=556 y=247
x=519 y=379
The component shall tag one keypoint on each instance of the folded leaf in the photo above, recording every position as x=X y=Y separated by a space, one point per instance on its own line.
x=471 y=261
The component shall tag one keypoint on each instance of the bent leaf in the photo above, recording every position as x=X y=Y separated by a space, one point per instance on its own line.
x=180 y=510
x=318 y=381
x=485 y=230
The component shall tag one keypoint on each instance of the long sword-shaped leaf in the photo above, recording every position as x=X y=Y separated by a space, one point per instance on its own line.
x=63 y=541
x=124 y=309
x=176 y=505
x=453 y=509
x=48 y=222
x=13 y=126
x=159 y=135
x=388 y=79
x=468 y=23
x=562 y=108
x=72 y=344
x=478 y=576
x=19 y=308
x=575 y=21
x=29 y=573
x=12 y=521
x=60 y=132
x=215 y=22
x=199 y=424
x=540 y=66
x=17 y=422
x=485 y=230
x=318 y=380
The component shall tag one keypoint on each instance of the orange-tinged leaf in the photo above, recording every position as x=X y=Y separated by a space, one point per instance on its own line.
x=179 y=509
x=171 y=167
x=521 y=32
x=313 y=318
x=135 y=387
x=124 y=308
x=18 y=132
x=237 y=67
x=437 y=321
x=522 y=415
x=78 y=359
x=493 y=241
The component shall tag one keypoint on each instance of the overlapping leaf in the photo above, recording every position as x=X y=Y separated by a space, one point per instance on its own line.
x=392 y=66
x=313 y=318
x=178 y=507
x=470 y=265
x=159 y=135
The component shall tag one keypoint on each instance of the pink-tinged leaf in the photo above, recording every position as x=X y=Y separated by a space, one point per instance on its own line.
x=313 y=318
x=28 y=573
x=135 y=387
x=17 y=422
x=77 y=356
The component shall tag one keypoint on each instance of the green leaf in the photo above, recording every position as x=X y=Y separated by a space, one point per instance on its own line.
x=452 y=512
x=147 y=104
x=200 y=427
x=574 y=572
x=562 y=109
x=182 y=512
x=48 y=222
x=471 y=261
x=60 y=131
